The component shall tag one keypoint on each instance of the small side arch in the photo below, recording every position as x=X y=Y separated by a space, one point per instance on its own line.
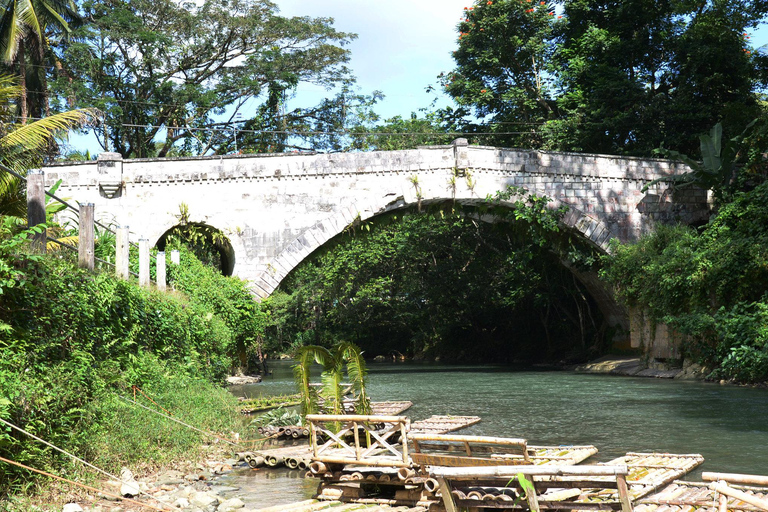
x=221 y=248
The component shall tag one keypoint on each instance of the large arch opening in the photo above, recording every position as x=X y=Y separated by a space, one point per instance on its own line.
x=464 y=285
x=209 y=244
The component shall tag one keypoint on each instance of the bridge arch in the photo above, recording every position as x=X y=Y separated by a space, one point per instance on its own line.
x=595 y=231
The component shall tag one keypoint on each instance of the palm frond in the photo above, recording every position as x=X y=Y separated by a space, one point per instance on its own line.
x=301 y=374
x=52 y=246
x=36 y=136
x=357 y=373
x=332 y=392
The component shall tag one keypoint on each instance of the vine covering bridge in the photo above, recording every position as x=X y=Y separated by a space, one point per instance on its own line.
x=277 y=209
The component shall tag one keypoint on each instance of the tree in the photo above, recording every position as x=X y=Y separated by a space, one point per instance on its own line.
x=501 y=63
x=402 y=133
x=160 y=67
x=608 y=76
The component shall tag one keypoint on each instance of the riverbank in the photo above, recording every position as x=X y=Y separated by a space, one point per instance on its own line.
x=180 y=485
x=635 y=366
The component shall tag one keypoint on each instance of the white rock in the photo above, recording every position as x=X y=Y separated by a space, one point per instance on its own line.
x=231 y=505
x=72 y=507
x=181 y=503
x=202 y=499
x=129 y=487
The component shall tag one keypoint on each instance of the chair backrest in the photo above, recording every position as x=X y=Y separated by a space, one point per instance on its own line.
x=466 y=451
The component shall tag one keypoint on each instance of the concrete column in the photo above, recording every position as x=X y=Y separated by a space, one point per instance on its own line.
x=175 y=257
x=86 y=257
x=122 y=253
x=144 y=278
x=36 y=207
x=160 y=273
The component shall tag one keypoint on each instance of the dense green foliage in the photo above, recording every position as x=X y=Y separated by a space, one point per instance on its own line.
x=444 y=284
x=710 y=285
x=607 y=76
x=73 y=342
x=159 y=67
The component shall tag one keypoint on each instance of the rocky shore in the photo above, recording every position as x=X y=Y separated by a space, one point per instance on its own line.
x=192 y=488
x=634 y=366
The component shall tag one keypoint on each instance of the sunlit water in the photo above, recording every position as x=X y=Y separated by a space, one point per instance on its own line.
x=727 y=425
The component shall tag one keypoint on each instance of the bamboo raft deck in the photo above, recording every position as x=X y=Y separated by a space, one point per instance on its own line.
x=390 y=408
x=649 y=472
x=570 y=487
x=726 y=493
x=443 y=424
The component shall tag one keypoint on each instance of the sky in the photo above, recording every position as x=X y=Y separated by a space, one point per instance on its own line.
x=402 y=46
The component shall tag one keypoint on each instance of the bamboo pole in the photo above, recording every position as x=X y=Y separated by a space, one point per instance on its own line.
x=511 y=471
x=445 y=490
x=724 y=488
x=502 y=441
x=530 y=496
x=735 y=478
x=86 y=258
x=36 y=208
x=347 y=418
x=621 y=485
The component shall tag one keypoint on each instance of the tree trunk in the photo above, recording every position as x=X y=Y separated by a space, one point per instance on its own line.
x=22 y=82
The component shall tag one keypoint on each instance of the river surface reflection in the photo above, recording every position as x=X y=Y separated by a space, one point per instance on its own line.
x=727 y=425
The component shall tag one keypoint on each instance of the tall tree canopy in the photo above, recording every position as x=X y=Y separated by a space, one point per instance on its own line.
x=611 y=76
x=171 y=71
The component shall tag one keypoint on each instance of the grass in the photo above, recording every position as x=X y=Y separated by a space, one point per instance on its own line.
x=128 y=436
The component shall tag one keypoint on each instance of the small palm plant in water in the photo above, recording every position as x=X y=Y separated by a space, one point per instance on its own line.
x=330 y=398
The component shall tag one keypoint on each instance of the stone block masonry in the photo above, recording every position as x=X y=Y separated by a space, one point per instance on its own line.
x=277 y=209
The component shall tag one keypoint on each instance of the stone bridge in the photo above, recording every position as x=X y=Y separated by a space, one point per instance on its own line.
x=277 y=209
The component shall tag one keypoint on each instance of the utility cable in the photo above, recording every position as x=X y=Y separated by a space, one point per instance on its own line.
x=76 y=210
x=105 y=493
x=78 y=459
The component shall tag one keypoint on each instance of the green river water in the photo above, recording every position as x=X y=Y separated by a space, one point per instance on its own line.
x=727 y=425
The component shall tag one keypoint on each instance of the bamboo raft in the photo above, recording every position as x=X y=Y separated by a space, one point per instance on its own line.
x=726 y=493
x=443 y=424
x=316 y=505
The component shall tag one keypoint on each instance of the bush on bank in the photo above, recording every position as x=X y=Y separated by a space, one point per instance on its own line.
x=74 y=342
x=710 y=285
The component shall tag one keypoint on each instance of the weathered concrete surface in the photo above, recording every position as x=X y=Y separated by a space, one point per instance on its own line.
x=277 y=209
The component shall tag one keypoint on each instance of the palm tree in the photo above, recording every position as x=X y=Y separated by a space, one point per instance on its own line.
x=24 y=25
x=332 y=392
